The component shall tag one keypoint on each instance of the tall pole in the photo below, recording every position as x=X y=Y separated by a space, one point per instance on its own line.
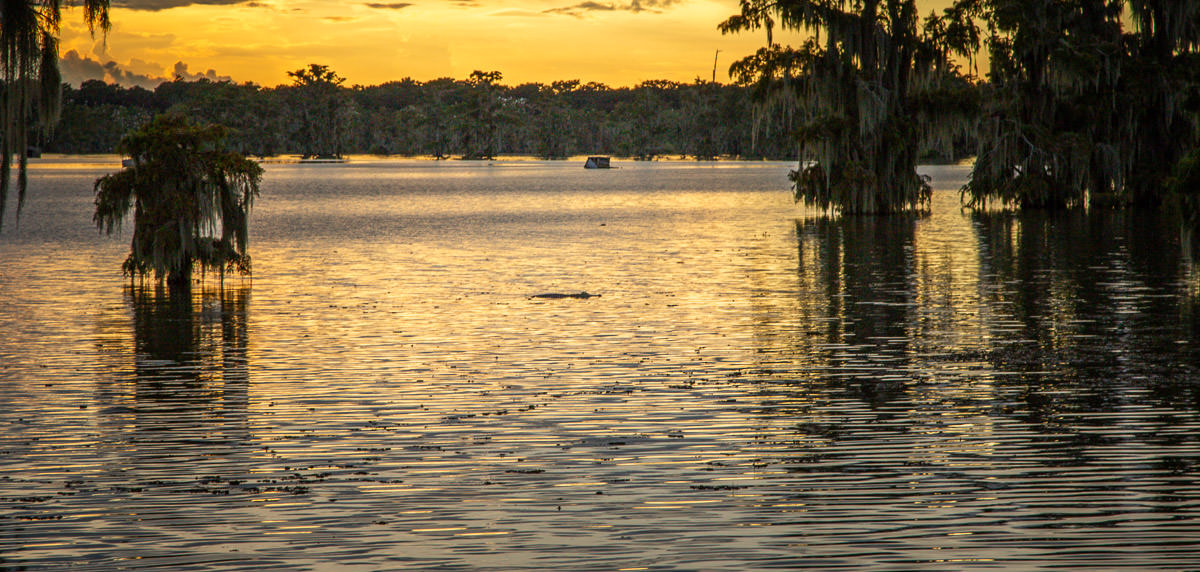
x=715 y=65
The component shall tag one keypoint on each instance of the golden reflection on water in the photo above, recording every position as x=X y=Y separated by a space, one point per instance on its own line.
x=755 y=386
x=170 y=354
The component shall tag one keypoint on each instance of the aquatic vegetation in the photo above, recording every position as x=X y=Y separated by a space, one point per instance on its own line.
x=190 y=200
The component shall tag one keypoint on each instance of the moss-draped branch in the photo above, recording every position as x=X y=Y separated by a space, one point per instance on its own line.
x=861 y=89
x=189 y=197
x=1089 y=101
x=31 y=93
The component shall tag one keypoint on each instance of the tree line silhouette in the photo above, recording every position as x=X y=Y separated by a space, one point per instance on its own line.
x=477 y=117
x=1085 y=103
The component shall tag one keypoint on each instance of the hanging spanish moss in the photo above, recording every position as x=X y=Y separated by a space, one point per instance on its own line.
x=1183 y=188
x=32 y=85
x=865 y=93
x=1091 y=102
x=190 y=200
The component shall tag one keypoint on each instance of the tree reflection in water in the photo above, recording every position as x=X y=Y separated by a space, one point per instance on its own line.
x=1074 y=325
x=1073 y=304
x=190 y=374
x=863 y=266
x=191 y=345
x=1102 y=306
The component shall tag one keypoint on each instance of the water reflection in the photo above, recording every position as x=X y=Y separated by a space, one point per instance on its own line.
x=749 y=392
x=955 y=382
x=189 y=353
x=863 y=268
x=204 y=329
x=1078 y=302
x=174 y=428
x=1095 y=304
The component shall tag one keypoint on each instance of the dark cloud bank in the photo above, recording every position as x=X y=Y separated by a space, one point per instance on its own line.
x=156 y=5
x=582 y=8
x=77 y=69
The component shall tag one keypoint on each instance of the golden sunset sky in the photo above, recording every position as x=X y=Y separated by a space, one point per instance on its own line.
x=620 y=43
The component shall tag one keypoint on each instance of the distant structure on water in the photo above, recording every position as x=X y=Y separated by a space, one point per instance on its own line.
x=323 y=159
x=597 y=163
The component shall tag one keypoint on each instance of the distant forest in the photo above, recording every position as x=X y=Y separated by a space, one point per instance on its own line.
x=476 y=118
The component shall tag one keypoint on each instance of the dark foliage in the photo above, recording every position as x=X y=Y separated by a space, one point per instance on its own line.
x=476 y=118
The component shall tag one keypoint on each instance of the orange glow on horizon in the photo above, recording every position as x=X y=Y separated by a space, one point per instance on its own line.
x=523 y=39
x=620 y=43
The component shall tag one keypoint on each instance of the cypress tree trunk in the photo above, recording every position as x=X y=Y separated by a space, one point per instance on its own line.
x=180 y=279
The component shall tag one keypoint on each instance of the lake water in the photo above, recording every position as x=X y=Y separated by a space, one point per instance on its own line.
x=755 y=387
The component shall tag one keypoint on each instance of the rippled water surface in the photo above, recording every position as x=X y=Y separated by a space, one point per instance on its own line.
x=755 y=387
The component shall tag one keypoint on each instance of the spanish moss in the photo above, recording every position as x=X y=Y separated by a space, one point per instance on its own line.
x=32 y=86
x=1090 y=102
x=868 y=90
x=190 y=200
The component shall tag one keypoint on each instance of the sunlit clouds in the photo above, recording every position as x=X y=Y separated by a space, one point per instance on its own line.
x=621 y=42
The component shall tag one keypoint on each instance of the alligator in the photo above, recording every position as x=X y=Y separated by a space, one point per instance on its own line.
x=560 y=295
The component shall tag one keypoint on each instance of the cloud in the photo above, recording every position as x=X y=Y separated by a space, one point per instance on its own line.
x=77 y=69
x=519 y=13
x=180 y=70
x=115 y=73
x=156 y=5
x=589 y=6
x=581 y=8
x=388 y=5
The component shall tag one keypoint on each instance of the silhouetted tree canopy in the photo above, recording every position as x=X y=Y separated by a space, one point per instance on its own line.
x=323 y=108
x=32 y=83
x=190 y=199
x=1088 y=101
x=865 y=92
x=477 y=116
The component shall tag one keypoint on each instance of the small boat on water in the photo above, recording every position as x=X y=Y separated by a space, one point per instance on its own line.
x=323 y=159
x=597 y=163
